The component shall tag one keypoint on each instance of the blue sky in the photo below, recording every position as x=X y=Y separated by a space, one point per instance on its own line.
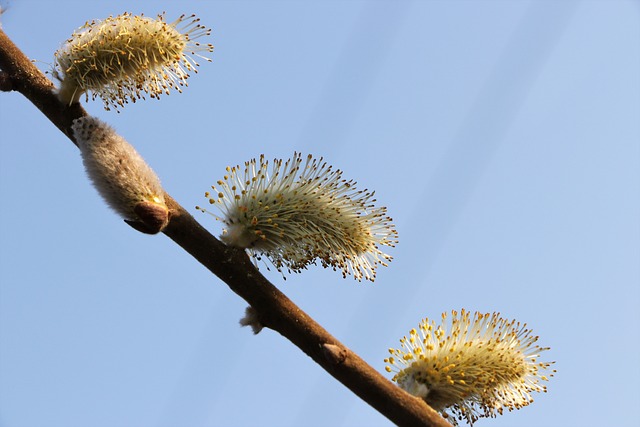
x=503 y=136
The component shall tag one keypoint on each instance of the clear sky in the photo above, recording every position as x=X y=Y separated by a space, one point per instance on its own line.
x=503 y=136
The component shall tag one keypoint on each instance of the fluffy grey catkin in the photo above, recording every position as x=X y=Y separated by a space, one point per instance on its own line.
x=121 y=176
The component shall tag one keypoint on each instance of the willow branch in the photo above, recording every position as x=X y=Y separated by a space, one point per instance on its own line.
x=234 y=267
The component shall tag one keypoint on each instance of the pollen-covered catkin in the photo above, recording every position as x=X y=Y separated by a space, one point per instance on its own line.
x=121 y=58
x=470 y=367
x=299 y=211
x=121 y=176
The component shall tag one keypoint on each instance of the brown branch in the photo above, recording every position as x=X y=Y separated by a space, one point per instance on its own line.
x=234 y=267
x=21 y=75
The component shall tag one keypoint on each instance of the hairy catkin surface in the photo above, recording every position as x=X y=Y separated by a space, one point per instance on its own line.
x=115 y=168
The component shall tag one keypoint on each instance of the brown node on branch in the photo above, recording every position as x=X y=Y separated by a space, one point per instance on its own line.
x=335 y=354
x=153 y=218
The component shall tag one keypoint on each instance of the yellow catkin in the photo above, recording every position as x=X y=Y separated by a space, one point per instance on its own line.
x=301 y=211
x=470 y=367
x=121 y=58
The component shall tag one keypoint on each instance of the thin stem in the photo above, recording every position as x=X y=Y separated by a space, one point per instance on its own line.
x=234 y=267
